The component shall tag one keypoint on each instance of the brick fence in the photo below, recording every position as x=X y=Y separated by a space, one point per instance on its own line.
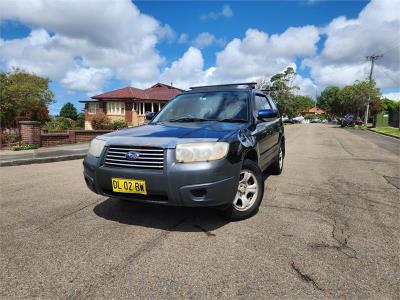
x=30 y=134
x=69 y=137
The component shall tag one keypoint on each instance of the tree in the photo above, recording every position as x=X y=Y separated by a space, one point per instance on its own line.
x=281 y=90
x=301 y=103
x=330 y=101
x=388 y=105
x=356 y=96
x=23 y=96
x=69 y=111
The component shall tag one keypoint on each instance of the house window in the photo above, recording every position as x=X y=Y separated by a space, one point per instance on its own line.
x=137 y=106
x=115 y=108
x=147 y=107
x=93 y=108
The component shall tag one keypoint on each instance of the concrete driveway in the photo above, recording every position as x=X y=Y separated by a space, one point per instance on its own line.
x=328 y=228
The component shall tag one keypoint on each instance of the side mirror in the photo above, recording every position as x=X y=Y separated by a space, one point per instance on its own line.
x=267 y=113
x=150 y=115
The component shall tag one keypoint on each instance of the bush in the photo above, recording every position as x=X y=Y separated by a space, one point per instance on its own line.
x=26 y=147
x=100 y=121
x=119 y=124
x=309 y=116
x=59 y=124
x=80 y=122
x=10 y=138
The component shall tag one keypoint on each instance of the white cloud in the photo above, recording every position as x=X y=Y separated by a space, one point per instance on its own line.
x=183 y=38
x=306 y=86
x=82 y=52
x=186 y=71
x=86 y=79
x=226 y=12
x=255 y=56
x=392 y=96
x=206 y=39
x=260 y=55
x=123 y=40
x=349 y=41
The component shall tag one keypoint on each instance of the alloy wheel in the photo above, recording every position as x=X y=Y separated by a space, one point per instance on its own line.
x=247 y=192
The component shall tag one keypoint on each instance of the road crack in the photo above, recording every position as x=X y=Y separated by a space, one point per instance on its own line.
x=40 y=228
x=305 y=277
x=113 y=271
x=340 y=235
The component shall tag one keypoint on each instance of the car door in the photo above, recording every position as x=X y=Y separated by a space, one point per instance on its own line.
x=276 y=127
x=263 y=130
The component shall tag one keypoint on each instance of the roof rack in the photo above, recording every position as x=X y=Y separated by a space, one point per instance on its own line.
x=250 y=85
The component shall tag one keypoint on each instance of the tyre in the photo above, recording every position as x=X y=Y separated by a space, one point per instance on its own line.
x=277 y=165
x=249 y=194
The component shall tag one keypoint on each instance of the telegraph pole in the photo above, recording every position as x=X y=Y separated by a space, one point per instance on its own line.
x=371 y=58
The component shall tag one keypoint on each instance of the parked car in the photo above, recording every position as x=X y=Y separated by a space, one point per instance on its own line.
x=315 y=120
x=287 y=120
x=298 y=120
x=207 y=147
x=350 y=120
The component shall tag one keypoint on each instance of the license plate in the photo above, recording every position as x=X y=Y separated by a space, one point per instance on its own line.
x=122 y=185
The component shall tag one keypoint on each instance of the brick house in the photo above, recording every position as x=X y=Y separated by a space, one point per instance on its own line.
x=129 y=103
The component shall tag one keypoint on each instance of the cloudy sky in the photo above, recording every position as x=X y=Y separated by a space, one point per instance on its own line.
x=92 y=46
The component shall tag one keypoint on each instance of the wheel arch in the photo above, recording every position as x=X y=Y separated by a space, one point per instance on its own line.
x=251 y=154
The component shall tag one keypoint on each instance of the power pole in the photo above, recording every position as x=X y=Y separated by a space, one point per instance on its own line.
x=371 y=58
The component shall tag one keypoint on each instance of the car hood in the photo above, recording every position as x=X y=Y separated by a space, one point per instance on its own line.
x=167 y=135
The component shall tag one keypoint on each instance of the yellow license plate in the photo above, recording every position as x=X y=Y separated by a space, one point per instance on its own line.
x=122 y=185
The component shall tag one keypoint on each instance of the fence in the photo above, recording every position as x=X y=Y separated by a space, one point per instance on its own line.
x=69 y=137
x=30 y=133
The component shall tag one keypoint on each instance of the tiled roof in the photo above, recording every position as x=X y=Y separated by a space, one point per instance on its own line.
x=158 y=91
x=316 y=110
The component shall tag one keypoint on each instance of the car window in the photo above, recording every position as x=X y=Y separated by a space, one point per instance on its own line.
x=261 y=102
x=272 y=102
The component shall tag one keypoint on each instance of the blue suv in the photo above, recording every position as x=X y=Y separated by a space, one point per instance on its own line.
x=207 y=147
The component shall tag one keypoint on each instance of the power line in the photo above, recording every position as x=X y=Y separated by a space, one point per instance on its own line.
x=396 y=81
x=392 y=48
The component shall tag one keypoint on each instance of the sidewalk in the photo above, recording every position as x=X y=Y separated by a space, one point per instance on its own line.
x=43 y=155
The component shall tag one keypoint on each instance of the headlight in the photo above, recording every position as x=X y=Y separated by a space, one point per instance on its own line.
x=96 y=146
x=194 y=152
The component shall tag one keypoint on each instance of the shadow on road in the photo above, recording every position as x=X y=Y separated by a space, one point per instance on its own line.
x=168 y=218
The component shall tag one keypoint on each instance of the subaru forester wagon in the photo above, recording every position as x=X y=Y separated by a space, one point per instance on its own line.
x=208 y=146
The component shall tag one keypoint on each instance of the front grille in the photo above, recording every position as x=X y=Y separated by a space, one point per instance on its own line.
x=148 y=157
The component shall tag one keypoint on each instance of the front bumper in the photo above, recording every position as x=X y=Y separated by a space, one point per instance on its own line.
x=190 y=184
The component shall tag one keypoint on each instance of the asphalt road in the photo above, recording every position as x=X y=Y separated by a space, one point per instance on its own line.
x=328 y=227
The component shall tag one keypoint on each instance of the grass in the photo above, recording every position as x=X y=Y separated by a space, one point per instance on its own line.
x=361 y=127
x=388 y=130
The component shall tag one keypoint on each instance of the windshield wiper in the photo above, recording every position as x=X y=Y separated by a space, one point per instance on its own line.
x=187 y=119
x=233 y=120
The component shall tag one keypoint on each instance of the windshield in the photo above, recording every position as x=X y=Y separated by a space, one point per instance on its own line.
x=206 y=106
